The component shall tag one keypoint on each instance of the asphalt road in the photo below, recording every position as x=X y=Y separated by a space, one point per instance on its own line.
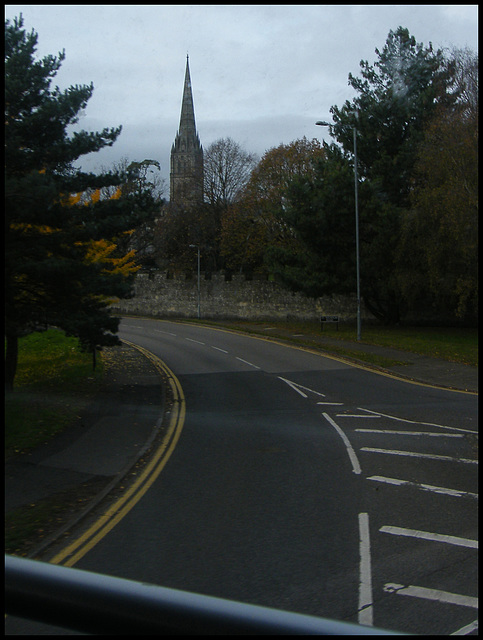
x=300 y=482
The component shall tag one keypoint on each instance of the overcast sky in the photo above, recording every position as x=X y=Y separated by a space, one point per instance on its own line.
x=261 y=74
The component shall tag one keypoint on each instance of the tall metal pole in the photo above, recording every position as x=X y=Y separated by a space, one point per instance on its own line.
x=197 y=246
x=323 y=123
x=199 y=292
x=356 y=188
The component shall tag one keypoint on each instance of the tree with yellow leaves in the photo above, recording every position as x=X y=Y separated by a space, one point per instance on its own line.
x=62 y=262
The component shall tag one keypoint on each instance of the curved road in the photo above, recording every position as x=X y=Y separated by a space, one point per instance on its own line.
x=300 y=482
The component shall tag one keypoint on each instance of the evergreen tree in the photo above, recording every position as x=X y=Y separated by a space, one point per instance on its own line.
x=320 y=210
x=49 y=281
x=397 y=97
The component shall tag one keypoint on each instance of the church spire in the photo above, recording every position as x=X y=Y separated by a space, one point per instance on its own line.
x=186 y=178
x=187 y=120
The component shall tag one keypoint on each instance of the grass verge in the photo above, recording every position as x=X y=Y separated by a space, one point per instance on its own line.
x=453 y=344
x=53 y=384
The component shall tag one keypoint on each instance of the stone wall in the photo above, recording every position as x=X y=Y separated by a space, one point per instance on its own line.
x=236 y=298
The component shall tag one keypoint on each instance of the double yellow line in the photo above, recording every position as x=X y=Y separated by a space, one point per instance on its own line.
x=75 y=551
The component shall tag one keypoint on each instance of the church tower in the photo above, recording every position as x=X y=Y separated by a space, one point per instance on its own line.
x=186 y=176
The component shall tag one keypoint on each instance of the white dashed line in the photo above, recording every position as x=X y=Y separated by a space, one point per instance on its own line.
x=414 y=454
x=466 y=630
x=197 y=341
x=456 y=493
x=413 y=433
x=250 y=364
x=433 y=537
x=332 y=403
x=426 y=424
x=365 y=572
x=431 y=594
x=355 y=415
x=218 y=349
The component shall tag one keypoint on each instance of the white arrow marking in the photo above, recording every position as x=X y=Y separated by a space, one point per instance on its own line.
x=356 y=467
x=297 y=387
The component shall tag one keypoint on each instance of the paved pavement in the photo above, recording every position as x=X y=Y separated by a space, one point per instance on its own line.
x=80 y=466
x=92 y=457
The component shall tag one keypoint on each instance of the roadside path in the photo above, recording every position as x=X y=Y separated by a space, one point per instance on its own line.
x=73 y=472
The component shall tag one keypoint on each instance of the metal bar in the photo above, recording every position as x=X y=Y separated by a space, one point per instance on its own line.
x=358 y=278
x=100 y=604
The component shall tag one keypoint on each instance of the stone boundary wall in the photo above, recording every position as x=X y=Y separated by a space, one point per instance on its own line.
x=237 y=298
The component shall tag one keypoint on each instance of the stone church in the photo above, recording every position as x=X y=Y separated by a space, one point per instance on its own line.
x=186 y=174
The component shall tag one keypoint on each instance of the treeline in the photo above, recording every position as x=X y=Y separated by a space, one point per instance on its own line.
x=74 y=240
x=291 y=215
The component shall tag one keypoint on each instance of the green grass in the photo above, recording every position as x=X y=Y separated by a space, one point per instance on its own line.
x=452 y=344
x=48 y=359
x=53 y=383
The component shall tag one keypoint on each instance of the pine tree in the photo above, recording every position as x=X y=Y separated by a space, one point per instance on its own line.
x=48 y=280
x=396 y=98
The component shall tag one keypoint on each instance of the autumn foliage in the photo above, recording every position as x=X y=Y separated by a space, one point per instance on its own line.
x=63 y=231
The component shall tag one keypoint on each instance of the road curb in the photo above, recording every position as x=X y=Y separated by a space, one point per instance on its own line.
x=53 y=538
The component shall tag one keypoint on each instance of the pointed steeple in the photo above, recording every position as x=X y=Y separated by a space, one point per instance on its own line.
x=186 y=178
x=187 y=120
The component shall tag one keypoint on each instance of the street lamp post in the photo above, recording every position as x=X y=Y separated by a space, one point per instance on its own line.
x=195 y=246
x=322 y=123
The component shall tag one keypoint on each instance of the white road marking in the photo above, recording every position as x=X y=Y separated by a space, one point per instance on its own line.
x=413 y=433
x=426 y=424
x=355 y=415
x=466 y=630
x=431 y=594
x=294 y=387
x=434 y=537
x=168 y=333
x=414 y=454
x=197 y=341
x=356 y=467
x=424 y=487
x=333 y=403
x=365 y=572
x=297 y=387
x=218 y=349
x=246 y=362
